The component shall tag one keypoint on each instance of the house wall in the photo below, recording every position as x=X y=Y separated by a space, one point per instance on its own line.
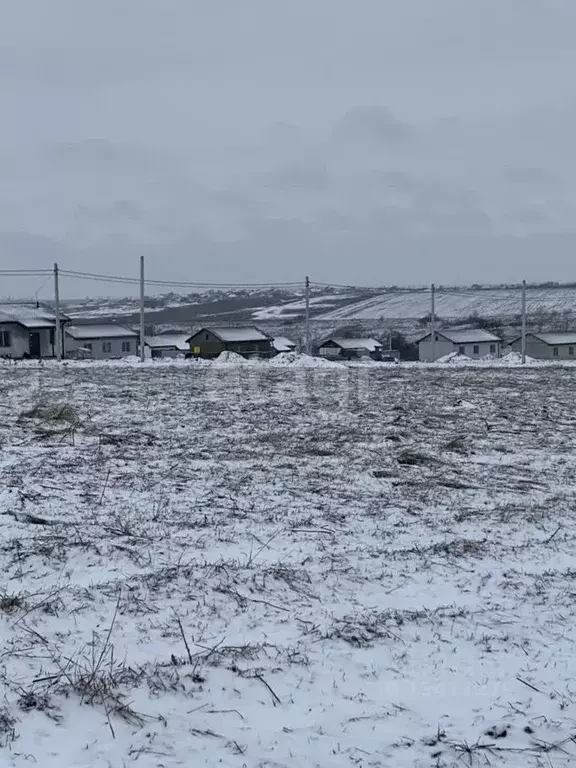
x=98 y=353
x=484 y=349
x=47 y=349
x=166 y=353
x=205 y=344
x=348 y=354
x=539 y=350
x=446 y=347
x=19 y=340
x=425 y=349
x=329 y=350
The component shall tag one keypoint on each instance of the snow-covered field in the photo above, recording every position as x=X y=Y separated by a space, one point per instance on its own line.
x=455 y=304
x=278 y=567
x=297 y=308
x=90 y=309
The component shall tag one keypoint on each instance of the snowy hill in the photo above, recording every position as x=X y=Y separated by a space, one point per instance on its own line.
x=330 y=307
x=456 y=303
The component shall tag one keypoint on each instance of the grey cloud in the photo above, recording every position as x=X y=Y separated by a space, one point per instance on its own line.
x=372 y=123
x=304 y=174
x=101 y=153
x=230 y=131
x=397 y=180
x=116 y=211
x=521 y=174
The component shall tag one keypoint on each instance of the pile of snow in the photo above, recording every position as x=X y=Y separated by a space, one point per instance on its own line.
x=453 y=357
x=514 y=358
x=295 y=359
x=230 y=357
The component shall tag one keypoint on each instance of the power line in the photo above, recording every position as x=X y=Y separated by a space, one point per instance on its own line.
x=172 y=283
x=26 y=272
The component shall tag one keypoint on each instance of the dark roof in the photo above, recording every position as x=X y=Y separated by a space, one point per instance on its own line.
x=230 y=334
x=100 y=331
x=365 y=343
x=30 y=315
x=467 y=336
x=552 y=339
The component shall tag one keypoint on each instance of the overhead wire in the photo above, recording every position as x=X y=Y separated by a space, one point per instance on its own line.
x=172 y=283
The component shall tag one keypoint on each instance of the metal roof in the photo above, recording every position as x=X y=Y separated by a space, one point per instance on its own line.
x=469 y=336
x=245 y=333
x=282 y=344
x=370 y=344
x=30 y=315
x=100 y=331
x=555 y=339
x=168 y=341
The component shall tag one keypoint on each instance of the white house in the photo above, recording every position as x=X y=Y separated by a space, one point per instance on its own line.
x=28 y=330
x=168 y=345
x=548 y=346
x=473 y=343
x=105 y=341
x=350 y=348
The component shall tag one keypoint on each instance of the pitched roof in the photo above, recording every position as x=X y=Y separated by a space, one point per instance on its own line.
x=244 y=333
x=177 y=341
x=30 y=315
x=554 y=339
x=282 y=344
x=100 y=331
x=468 y=336
x=370 y=344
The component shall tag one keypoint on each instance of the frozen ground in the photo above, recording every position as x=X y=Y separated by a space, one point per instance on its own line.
x=455 y=304
x=272 y=567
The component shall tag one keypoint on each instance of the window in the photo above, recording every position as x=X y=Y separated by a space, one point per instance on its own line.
x=88 y=346
x=206 y=337
x=492 y=349
x=52 y=337
x=476 y=349
x=125 y=346
x=555 y=351
x=461 y=350
x=570 y=350
x=5 y=340
x=106 y=346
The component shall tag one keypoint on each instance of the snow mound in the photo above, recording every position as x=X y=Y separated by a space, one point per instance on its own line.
x=295 y=359
x=230 y=357
x=453 y=357
x=514 y=358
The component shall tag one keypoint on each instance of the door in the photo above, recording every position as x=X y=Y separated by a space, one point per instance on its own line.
x=34 y=344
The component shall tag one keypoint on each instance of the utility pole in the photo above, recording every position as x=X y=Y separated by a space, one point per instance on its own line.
x=307 y=316
x=141 y=309
x=57 y=307
x=523 y=347
x=433 y=320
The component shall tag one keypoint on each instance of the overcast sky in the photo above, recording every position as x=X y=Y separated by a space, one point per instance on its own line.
x=365 y=141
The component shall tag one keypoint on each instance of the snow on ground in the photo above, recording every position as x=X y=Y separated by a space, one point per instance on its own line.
x=302 y=360
x=454 y=304
x=296 y=308
x=272 y=567
x=94 y=308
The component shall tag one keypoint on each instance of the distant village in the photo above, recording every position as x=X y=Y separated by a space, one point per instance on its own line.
x=28 y=331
